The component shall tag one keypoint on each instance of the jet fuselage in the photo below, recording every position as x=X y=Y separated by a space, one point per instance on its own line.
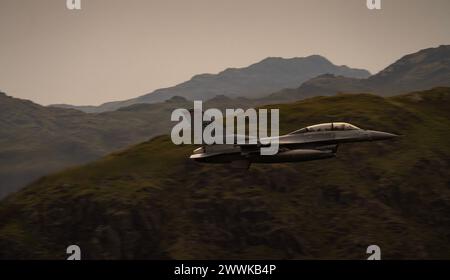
x=311 y=143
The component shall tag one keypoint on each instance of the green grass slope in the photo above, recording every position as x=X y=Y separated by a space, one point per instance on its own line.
x=151 y=201
x=37 y=140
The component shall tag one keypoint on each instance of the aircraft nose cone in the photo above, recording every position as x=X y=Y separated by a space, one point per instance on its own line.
x=379 y=135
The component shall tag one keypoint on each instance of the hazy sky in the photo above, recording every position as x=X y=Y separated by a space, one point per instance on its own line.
x=119 y=49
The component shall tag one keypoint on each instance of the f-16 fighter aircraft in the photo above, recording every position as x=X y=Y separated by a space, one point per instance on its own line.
x=310 y=143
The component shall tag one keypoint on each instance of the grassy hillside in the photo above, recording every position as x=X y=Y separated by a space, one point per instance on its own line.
x=37 y=140
x=150 y=201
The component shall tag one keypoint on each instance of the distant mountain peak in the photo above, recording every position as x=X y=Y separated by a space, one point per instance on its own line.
x=425 y=64
x=254 y=81
x=318 y=58
x=422 y=70
x=276 y=60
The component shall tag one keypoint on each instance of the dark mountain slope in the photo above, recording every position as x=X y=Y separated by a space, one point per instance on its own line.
x=257 y=80
x=150 y=201
x=37 y=140
x=423 y=70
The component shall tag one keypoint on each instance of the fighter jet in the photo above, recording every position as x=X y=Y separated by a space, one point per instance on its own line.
x=314 y=142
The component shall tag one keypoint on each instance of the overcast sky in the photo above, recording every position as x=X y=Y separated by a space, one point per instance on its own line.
x=119 y=49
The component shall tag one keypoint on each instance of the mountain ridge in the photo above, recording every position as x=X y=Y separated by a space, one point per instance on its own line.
x=421 y=70
x=254 y=81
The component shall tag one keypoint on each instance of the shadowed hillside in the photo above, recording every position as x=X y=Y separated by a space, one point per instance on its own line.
x=150 y=201
x=37 y=140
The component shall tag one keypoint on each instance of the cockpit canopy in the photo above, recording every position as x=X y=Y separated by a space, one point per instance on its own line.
x=337 y=126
